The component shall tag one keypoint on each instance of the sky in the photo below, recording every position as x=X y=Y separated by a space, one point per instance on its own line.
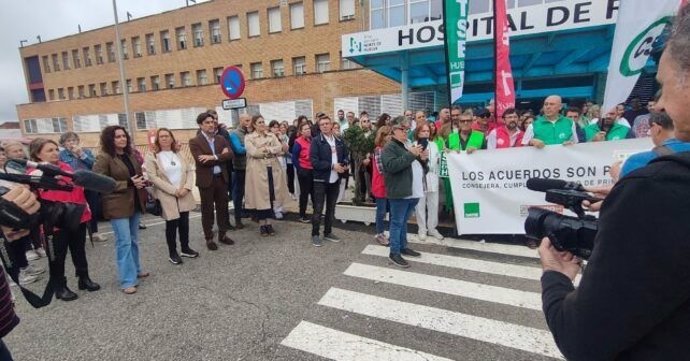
x=52 y=19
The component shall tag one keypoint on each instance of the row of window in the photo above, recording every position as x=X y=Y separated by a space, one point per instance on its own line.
x=137 y=45
x=323 y=64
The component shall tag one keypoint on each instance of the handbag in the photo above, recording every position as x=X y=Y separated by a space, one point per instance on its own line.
x=153 y=206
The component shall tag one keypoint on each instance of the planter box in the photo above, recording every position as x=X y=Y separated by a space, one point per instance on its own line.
x=364 y=214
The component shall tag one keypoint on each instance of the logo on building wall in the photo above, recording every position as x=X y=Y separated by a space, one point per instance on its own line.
x=355 y=45
x=639 y=49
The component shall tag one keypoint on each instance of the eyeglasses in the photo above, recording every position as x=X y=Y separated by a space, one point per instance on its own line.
x=465 y=120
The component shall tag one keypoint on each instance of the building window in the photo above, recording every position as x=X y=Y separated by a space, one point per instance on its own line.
x=70 y=92
x=396 y=13
x=274 y=21
x=59 y=125
x=320 y=12
x=116 y=87
x=186 y=78
x=99 y=53
x=65 y=60
x=87 y=56
x=61 y=93
x=92 y=90
x=170 y=80
x=136 y=46
x=217 y=73
x=201 y=77
x=155 y=82
x=296 y=16
x=253 y=26
x=104 y=89
x=150 y=44
x=347 y=9
x=141 y=84
x=51 y=94
x=234 y=27
x=181 y=35
x=75 y=59
x=125 y=52
x=198 y=35
x=299 y=65
x=110 y=49
x=323 y=63
x=80 y=90
x=46 y=64
x=214 y=28
x=347 y=64
x=257 y=70
x=165 y=41
x=277 y=68
x=425 y=10
x=129 y=86
x=56 y=64
x=378 y=14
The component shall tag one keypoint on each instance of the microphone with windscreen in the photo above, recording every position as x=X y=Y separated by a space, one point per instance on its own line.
x=545 y=184
x=83 y=178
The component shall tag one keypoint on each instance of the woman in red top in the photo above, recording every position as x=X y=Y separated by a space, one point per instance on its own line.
x=305 y=175
x=45 y=150
x=378 y=187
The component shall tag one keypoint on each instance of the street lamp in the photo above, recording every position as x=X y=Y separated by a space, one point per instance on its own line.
x=123 y=82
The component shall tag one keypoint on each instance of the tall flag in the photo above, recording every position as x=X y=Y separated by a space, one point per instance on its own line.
x=503 y=77
x=639 y=23
x=455 y=15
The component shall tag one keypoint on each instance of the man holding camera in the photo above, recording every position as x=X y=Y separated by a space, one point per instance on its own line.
x=633 y=302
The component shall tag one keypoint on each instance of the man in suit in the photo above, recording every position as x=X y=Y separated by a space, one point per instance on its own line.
x=211 y=153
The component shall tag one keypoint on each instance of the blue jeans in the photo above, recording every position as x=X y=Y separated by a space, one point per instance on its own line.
x=401 y=209
x=238 y=192
x=381 y=209
x=127 y=249
x=5 y=354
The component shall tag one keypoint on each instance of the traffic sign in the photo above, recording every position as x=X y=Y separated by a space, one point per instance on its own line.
x=232 y=82
x=238 y=103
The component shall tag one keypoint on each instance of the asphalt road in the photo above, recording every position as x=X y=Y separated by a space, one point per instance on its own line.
x=242 y=301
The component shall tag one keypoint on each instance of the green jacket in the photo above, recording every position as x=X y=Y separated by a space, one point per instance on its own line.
x=617 y=132
x=397 y=170
x=553 y=133
x=476 y=140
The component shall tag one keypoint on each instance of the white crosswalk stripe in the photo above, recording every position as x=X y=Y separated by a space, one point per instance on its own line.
x=326 y=340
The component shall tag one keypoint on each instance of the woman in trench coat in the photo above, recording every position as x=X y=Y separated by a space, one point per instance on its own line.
x=265 y=179
x=173 y=178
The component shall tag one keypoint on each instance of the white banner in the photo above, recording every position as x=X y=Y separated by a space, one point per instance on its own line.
x=639 y=23
x=489 y=192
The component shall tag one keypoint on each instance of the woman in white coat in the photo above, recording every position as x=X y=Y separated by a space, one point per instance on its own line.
x=427 y=207
x=173 y=179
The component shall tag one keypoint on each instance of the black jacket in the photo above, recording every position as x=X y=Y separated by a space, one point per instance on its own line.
x=321 y=157
x=633 y=302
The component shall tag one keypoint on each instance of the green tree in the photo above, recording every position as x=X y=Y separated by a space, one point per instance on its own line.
x=359 y=146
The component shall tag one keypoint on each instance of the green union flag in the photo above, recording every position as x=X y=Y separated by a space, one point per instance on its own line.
x=455 y=13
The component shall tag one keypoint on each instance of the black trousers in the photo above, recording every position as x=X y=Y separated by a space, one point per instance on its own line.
x=305 y=177
x=171 y=228
x=76 y=242
x=328 y=193
x=214 y=197
x=238 y=192
x=291 y=178
x=16 y=252
x=94 y=201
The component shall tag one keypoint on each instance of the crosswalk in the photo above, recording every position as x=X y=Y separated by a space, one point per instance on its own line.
x=447 y=296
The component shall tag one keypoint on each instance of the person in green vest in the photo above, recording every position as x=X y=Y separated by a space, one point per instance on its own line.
x=606 y=129
x=461 y=138
x=552 y=127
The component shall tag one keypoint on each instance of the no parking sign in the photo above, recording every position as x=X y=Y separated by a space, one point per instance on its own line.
x=232 y=82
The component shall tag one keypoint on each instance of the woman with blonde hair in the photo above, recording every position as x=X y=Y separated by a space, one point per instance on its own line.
x=265 y=181
x=173 y=180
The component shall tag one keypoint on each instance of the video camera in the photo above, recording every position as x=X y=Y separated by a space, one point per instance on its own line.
x=566 y=233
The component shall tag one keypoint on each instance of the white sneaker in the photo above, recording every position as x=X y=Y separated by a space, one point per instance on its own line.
x=421 y=236
x=41 y=252
x=32 y=255
x=33 y=270
x=435 y=233
x=25 y=279
x=279 y=215
x=99 y=237
x=293 y=196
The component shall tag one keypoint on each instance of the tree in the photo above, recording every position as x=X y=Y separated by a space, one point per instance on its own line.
x=359 y=146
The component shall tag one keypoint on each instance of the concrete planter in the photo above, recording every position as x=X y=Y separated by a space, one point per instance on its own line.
x=364 y=214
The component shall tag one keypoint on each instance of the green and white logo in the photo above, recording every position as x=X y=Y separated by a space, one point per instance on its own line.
x=637 y=52
x=471 y=210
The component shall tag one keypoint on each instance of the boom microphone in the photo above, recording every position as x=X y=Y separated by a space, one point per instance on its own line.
x=84 y=178
x=545 y=184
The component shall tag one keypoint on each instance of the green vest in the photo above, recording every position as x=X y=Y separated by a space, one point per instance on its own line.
x=553 y=133
x=476 y=140
x=617 y=132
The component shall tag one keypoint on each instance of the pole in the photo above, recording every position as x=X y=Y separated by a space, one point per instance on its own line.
x=405 y=79
x=496 y=61
x=123 y=82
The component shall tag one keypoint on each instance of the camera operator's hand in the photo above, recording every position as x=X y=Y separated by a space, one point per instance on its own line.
x=555 y=260
x=599 y=192
x=24 y=199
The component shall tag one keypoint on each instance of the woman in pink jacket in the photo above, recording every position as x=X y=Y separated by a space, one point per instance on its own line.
x=378 y=187
x=45 y=150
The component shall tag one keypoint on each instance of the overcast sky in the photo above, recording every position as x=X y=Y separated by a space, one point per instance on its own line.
x=51 y=19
